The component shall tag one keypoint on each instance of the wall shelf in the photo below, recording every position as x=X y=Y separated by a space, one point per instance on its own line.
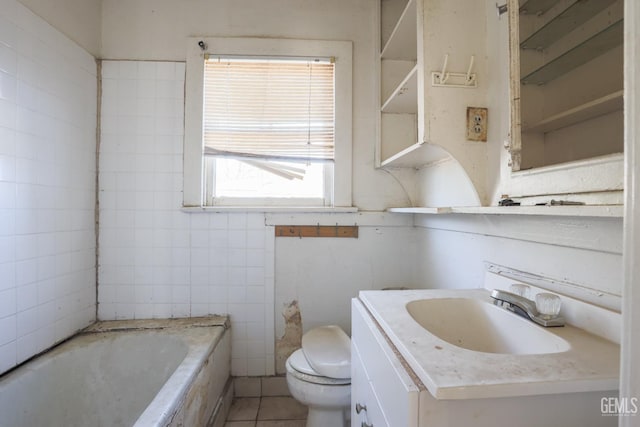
x=591 y=48
x=598 y=211
x=403 y=42
x=404 y=99
x=415 y=129
x=432 y=211
x=536 y=7
x=398 y=82
x=589 y=110
x=566 y=21
x=416 y=156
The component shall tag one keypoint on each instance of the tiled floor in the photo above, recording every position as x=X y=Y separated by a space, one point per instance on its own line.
x=266 y=412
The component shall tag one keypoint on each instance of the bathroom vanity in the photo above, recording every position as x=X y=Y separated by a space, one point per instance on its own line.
x=409 y=370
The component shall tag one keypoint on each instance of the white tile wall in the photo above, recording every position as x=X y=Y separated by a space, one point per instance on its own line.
x=155 y=259
x=48 y=99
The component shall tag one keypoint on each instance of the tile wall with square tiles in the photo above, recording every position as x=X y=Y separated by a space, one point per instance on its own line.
x=156 y=259
x=48 y=116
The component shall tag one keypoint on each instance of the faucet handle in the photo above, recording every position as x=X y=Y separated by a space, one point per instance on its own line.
x=521 y=290
x=548 y=305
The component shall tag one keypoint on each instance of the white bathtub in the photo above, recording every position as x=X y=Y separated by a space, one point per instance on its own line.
x=138 y=373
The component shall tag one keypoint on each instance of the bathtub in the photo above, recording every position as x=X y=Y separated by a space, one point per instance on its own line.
x=138 y=373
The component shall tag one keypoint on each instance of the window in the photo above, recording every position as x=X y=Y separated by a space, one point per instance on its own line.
x=268 y=122
x=268 y=130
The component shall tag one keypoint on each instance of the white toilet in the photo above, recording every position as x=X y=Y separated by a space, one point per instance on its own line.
x=319 y=376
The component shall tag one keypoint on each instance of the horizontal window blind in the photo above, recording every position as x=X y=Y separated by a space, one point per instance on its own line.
x=269 y=109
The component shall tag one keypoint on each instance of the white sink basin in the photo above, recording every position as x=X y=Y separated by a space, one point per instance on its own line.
x=478 y=325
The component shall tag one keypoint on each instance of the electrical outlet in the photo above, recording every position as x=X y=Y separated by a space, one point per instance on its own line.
x=477 y=124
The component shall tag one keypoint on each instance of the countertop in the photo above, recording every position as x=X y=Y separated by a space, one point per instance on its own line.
x=451 y=372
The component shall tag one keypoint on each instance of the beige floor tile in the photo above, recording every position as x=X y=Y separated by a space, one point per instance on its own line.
x=275 y=386
x=240 y=424
x=282 y=423
x=244 y=409
x=247 y=387
x=281 y=408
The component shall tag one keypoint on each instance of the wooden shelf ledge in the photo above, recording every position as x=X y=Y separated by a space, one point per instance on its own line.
x=595 y=211
x=404 y=99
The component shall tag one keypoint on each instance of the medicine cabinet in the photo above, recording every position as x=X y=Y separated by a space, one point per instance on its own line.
x=566 y=64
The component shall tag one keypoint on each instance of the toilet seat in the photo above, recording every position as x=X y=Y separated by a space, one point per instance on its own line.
x=298 y=366
x=328 y=351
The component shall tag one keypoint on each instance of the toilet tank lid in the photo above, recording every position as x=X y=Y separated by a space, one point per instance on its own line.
x=328 y=351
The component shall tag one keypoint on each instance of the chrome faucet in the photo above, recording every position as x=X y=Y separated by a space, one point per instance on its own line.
x=524 y=307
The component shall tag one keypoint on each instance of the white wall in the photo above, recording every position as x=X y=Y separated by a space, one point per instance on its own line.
x=48 y=99
x=324 y=274
x=80 y=20
x=587 y=252
x=457 y=28
x=446 y=184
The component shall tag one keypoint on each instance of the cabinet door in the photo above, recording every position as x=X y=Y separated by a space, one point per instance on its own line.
x=391 y=384
x=365 y=408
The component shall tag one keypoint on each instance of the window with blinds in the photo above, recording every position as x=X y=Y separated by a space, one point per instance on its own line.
x=269 y=128
x=270 y=109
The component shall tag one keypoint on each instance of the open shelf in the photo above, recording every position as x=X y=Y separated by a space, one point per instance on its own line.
x=565 y=22
x=403 y=42
x=591 y=48
x=404 y=99
x=416 y=155
x=589 y=110
x=536 y=7
x=422 y=210
x=597 y=211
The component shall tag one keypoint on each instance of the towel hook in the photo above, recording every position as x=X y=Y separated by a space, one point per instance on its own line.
x=469 y=77
x=443 y=75
x=502 y=9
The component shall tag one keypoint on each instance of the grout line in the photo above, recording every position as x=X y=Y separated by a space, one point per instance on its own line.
x=97 y=180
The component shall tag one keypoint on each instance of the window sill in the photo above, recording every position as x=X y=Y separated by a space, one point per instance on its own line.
x=270 y=209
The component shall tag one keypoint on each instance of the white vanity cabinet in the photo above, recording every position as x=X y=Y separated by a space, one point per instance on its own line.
x=387 y=392
x=382 y=392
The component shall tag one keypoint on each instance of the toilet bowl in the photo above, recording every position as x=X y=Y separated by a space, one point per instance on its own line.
x=319 y=376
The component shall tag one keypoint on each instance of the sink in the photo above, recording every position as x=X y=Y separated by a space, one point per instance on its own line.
x=477 y=325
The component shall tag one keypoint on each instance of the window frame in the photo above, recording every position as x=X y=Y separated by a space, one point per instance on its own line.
x=194 y=180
